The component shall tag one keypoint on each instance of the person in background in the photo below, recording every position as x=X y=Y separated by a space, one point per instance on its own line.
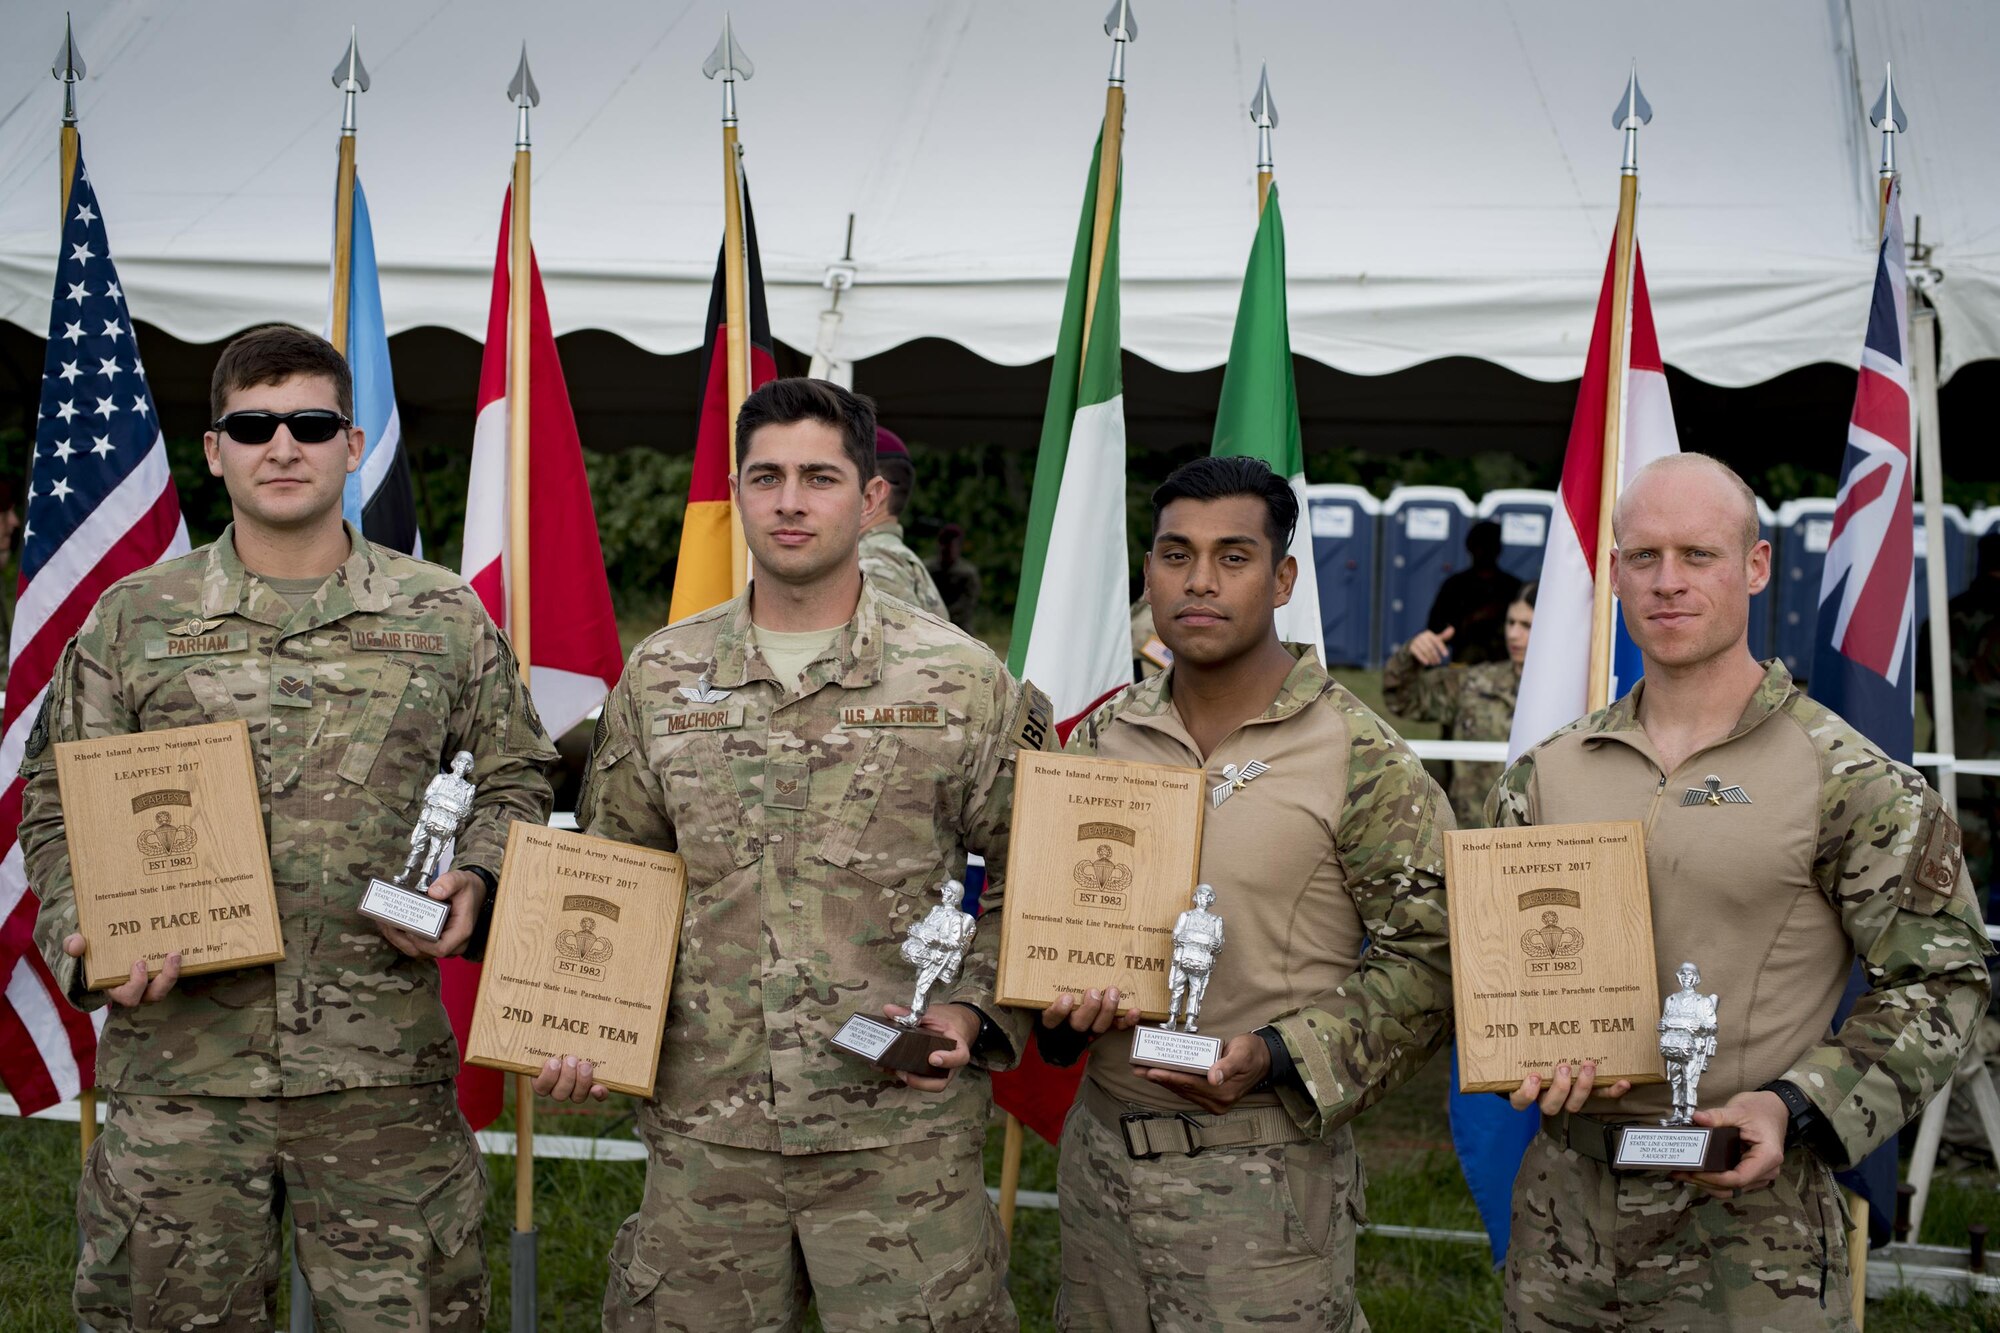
x=955 y=577
x=1473 y=602
x=1150 y=654
x=886 y=562
x=1474 y=703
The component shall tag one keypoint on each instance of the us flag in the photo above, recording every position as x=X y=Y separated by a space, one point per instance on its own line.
x=1862 y=653
x=100 y=504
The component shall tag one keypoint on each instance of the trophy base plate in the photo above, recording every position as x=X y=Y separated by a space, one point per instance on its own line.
x=890 y=1045
x=418 y=913
x=1165 y=1048
x=1677 y=1148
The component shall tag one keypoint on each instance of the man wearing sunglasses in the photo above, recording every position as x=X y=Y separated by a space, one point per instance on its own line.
x=324 y=1079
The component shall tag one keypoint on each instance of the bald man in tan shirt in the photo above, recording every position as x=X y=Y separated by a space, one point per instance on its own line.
x=1230 y=1200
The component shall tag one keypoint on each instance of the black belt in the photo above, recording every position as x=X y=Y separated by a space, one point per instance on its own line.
x=1151 y=1134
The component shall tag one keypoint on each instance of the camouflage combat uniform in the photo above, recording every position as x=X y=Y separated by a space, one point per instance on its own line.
x=324 y=1078
x=894 y=569
x=1839 y=853
x=816 y=822
x=1247 y=1219
x=1148 y=651
x=1475 y=703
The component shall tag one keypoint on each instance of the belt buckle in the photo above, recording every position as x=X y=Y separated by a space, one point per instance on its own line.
x=1195 y=1145
x=1125 y=1122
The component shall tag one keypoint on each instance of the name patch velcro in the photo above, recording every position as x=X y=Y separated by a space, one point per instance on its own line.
x=700 y=719
x=892 y=715
x=200 y=645
x=397 y=641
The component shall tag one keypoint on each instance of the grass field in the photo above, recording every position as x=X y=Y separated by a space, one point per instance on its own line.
x=1418 y=1286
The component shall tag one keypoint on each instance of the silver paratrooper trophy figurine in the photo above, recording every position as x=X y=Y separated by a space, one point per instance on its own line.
x=447 y=806
x=1688 y=1025
x=936 y=946
x=1197 y=940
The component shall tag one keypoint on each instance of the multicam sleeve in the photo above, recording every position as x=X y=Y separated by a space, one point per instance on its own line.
x=1356 y=1044
x=1019 y=717
x=83 y=700
x=1420 y=693
x=494 y=719
x=1890 y=862
x=1511 y=803
x=622 y=797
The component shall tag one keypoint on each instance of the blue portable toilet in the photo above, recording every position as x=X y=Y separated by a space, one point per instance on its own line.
x=1804 y=529
x=1423 y=544
x=1958 y=559
x=1760 y=605
x=1524 y=517
x=1344 y=522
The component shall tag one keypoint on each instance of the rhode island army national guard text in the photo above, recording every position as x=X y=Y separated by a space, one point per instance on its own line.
x=324 y=1080
x=822 y=756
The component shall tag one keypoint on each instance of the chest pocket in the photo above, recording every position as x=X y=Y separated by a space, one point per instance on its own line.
x=396 y=774
x=703 y=794
x=889 y=825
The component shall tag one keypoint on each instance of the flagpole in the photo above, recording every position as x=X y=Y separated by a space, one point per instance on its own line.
x=729 y=61
x=1632 y=112
x=69 y=70
x=351 y=77
x=1122 y=29
x=1264 y=112
x=520 y=308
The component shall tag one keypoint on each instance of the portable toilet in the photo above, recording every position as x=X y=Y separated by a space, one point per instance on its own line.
x=1958 y=558
x=1524 y=517
x=1423 y=544
x=1804 y=529
x=1345 y=525
x=1760 y=605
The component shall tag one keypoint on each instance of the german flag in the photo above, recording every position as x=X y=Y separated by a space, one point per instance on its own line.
x=702 y=575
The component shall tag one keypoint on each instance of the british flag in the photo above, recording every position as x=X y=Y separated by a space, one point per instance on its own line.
x=100 y=504
x=1862 y=654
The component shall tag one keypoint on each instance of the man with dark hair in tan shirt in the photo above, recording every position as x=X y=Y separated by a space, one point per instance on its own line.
x=1230 y=1200
x=1780 y=846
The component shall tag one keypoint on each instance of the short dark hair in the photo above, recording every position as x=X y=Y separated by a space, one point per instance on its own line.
x=784 y=401
x=272 y=354
x=1483 y=539
x=1219 y=478
x=1528 y=591
x=901 y=475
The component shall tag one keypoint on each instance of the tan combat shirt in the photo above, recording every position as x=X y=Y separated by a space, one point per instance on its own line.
x=1839 y=852
x=386 y=672
x=817 y=820
x=1328 y=872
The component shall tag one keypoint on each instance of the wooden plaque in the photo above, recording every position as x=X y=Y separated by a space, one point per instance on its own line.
x=1102 y=859
x=1552 y=953
x=580 y=957
x=167 y=852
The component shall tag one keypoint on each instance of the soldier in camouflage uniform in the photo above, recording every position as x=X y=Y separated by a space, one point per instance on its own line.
x=1838 y=853
x=1475 y=703
x=890 y=565
x=822 y=756
x=324 y=1079
x=1231 y=1200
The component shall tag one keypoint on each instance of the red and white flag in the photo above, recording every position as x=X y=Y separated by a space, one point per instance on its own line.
x=574 y=638
x=1556 y=677
x=100 y=505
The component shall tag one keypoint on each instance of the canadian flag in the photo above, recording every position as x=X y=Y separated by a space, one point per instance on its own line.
x=574 y=640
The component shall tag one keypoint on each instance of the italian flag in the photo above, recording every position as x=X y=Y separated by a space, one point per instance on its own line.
x=1072 y=626
x=1258 y=416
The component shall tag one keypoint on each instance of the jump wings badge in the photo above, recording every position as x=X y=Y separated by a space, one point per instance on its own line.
x=192 y=628
x=1234 y=778
x=1712 y=792
x=701 y=692
x=1550 y=940
x=583 y=944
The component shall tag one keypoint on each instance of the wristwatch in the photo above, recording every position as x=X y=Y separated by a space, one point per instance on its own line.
x=1803 y=1120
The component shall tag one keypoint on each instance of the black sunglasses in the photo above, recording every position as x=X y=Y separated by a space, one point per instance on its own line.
x=312 y=425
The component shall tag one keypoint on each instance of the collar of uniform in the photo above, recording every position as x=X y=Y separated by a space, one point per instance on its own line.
x=1150 y=703
x=360 y=584
x=1620 y=722
x=856 y=654
x=892 y=528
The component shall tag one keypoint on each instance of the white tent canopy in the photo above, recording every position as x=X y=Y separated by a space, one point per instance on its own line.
x=1449 y=170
